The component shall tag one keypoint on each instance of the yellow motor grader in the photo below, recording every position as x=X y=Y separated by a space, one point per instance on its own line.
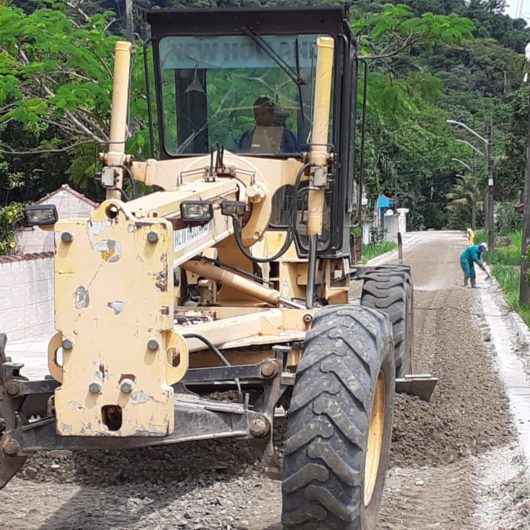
x=232 y=275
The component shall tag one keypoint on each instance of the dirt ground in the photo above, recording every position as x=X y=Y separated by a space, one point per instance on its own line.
x=455 y=462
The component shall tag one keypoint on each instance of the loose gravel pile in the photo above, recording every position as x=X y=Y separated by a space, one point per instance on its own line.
x=207 y=462
x=469 y=412
x=192 y=486
x=443 y=450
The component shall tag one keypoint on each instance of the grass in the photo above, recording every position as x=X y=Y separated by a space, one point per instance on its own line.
x=504 y=263
x=510 y=255
x=376 y=249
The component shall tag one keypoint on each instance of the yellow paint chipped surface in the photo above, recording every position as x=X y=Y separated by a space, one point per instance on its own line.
x=114 y=293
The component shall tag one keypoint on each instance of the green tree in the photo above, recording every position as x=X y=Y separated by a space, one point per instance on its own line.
x=429 y=60
x=467 y=193
x=55 y=74
x=409 y=143
x=56 y=86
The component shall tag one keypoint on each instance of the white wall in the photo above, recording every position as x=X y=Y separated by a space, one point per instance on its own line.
x=391 y=227
x=26 y=296
x=34 y=239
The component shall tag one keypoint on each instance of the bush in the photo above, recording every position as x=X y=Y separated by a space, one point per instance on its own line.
x=508 y=256
x=505 y=262
x=9 y=215
x=480 y=236
x=508 y=277
x=508 y=220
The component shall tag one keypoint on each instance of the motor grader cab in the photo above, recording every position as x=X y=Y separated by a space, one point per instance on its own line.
x=233 y=276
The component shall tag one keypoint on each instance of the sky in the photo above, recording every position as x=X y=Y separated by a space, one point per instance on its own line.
x=518 y=9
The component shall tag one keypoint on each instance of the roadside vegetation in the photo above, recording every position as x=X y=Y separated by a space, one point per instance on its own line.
x=505 y=263
x=376 y=249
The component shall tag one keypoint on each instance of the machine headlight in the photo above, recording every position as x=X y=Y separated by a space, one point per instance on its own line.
x=40 y=215
x=233 y=208
x=196 y=212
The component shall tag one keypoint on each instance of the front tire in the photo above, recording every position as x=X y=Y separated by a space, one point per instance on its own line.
x=340 y=422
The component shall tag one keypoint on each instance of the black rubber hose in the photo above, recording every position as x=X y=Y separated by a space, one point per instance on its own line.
x=204 y=340
x=215 y=350
x=290 y=232
x=244 y=250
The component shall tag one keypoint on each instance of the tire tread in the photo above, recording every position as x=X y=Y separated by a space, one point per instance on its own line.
x=386 y=288
x=328 y=418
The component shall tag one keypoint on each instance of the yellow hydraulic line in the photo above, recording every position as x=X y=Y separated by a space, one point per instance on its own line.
x=212 y=272
x=319 y=136
x=118 y=121
x=236 y=281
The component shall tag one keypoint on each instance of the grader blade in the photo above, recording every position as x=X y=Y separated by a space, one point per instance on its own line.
x=421 y=385
x=9 y=465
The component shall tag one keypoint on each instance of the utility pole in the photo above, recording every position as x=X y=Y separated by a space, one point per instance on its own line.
x=129 y=19
x=524 y=288
x=491 y=188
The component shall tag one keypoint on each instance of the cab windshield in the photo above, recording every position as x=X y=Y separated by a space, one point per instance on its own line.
x=251 y=94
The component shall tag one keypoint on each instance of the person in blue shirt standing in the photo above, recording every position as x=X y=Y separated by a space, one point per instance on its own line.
x=468 y=258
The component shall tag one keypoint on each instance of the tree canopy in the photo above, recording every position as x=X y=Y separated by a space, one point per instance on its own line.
x=428 y=61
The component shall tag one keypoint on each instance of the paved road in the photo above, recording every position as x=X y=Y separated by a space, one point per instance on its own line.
x=455 y=462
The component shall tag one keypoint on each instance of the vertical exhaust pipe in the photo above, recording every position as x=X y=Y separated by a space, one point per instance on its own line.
x=118 y=121
x=318 y=156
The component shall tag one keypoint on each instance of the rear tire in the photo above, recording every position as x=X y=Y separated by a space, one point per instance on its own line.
x=389 y=288
x=340 y=422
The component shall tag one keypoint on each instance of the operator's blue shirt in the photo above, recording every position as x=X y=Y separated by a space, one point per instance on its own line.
x=472 y=254
x=289 y=142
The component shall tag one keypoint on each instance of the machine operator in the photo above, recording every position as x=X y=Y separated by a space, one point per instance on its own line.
x=269 y=135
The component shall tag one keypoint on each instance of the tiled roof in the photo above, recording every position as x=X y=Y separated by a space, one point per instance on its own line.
x=26 y=257
x=73 y=192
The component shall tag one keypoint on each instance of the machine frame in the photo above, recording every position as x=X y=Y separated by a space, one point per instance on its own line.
x=264 y=358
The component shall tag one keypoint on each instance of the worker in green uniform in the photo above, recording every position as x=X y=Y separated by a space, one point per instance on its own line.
x=468 y=258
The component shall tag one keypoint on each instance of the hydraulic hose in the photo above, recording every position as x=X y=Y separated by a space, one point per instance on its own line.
x=217 y=352
x=244 y=250
x=290 y=230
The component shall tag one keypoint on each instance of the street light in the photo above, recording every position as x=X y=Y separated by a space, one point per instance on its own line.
x=467 y=166
x=468 y=129
x=469 y=144
x=487 y=154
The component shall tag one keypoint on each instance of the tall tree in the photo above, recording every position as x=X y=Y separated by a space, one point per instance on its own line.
x=467 y=193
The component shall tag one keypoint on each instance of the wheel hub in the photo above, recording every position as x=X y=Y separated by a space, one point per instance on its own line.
x=374 y=446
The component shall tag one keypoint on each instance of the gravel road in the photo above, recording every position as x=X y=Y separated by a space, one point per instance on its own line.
x=455 y=463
